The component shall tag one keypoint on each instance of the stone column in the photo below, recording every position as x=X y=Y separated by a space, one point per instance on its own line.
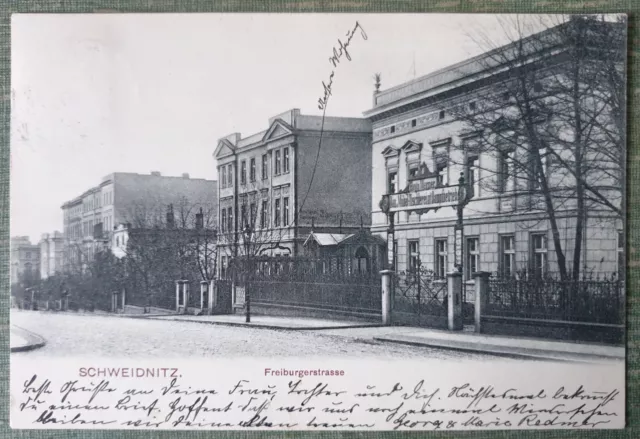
x=481 y=294
x=124 y=297
x=454 y=289
x=178 y=292
x=387 y=297
x=213 y=300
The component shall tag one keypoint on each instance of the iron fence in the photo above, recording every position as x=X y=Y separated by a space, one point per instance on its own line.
x=313 y=283
x=584 y=300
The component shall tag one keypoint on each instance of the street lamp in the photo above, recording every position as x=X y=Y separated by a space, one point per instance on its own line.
x=247 y=294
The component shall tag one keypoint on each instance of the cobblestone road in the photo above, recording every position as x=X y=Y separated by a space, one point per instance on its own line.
x=110 y=336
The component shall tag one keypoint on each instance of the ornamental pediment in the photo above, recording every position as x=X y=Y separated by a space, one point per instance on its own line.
x=224 y=149
x=278 y=129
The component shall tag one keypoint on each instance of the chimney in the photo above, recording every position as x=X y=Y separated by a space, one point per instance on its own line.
x=156 y=173
x=170 y=219
x=185 y=175
x=200 y=220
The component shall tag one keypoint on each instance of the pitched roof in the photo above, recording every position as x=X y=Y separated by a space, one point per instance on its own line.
x=327 y=239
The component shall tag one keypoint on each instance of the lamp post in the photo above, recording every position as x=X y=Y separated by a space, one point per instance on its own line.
x=385 y=207
x=247 y=294
x=463 y=200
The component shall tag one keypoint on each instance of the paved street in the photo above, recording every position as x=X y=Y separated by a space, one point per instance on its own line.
x=70 y=334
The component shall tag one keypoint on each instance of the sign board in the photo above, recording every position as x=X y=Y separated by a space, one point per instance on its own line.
x=458 y=245
x=390 y=250
x=432 y=198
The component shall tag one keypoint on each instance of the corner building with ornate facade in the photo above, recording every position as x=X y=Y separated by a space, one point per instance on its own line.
x=423 y=143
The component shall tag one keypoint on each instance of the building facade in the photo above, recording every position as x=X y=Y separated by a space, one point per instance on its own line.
x=129 y=198
x=522 y=201
x=299 y=174
x=51 y=254
x=25 y=260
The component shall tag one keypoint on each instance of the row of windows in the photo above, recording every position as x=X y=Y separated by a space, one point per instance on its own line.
x=506 y=263
x=249 y=212
x=248 y=170
x=507 y=259
x=506 y=173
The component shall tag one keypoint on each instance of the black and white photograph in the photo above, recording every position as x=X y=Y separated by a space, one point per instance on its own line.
x=318 y=220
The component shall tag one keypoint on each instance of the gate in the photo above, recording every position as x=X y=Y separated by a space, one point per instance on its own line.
x=420 y=298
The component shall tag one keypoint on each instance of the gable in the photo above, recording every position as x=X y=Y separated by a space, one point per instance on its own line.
x=390 y=151
x=223 y=149
x=411 y=146
x=278 y=128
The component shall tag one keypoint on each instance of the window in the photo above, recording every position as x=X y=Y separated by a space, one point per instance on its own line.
x=252 y=212
x=414 y=255
x=413 y=123
x=473 y=175
x=392 y=182
x=243 y=215
x=252 y=170
x=414 y=169
x=473 y=257
x=243 y=172
x=231 y=225
x=506 y=177
x=230 y=176
x=264 y=167
x=223 y=176
x=539 y=256
x=441 y=258
x=223 y=224
x=285 y=160
x=441 y=170
x=278 y=164
x=393 y=129
x=621 y=258
x=505 y=96
x=264 y=212
x=441 y=115
x=285 y=211
x=472 y=106
x=276 y=213
x=395 y=255
x=540 y=171
x=507 y=256
x=223 y=267
x=28 y=255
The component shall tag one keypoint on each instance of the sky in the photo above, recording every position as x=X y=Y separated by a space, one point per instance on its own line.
x=102 y=93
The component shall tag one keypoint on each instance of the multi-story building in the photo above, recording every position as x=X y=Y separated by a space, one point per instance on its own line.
x=526 y=206
x=129 y=198
x=25 y=260
x=302 y=173
x=51 y=254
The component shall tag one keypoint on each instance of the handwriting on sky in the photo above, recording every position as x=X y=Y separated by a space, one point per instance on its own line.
x=340 y=52
x=307 y=403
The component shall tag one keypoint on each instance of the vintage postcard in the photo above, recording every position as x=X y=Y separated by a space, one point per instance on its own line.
x=318 y=222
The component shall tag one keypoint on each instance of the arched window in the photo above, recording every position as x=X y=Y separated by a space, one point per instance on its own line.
x=362 y=260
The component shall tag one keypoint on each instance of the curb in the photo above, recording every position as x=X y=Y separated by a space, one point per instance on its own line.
x=264 y=326
x=35 y=341
x=501 y=351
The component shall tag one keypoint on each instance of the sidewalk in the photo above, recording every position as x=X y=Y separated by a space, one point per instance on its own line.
x=526 y=348
x=266 y=322
x=21 y=340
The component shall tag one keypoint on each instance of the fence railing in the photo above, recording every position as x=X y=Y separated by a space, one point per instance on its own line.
x=314 y=283
x=588 y=301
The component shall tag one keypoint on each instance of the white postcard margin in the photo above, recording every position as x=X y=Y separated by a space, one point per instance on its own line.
x=316 y=394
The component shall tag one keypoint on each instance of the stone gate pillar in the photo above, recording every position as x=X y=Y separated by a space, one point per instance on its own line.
x=481 y=295
x=454 y=287
x=387 y=297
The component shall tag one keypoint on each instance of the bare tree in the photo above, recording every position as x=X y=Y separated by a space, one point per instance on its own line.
x=553 y=120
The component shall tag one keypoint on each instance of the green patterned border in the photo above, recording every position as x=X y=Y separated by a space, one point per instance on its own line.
x=489 y=6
